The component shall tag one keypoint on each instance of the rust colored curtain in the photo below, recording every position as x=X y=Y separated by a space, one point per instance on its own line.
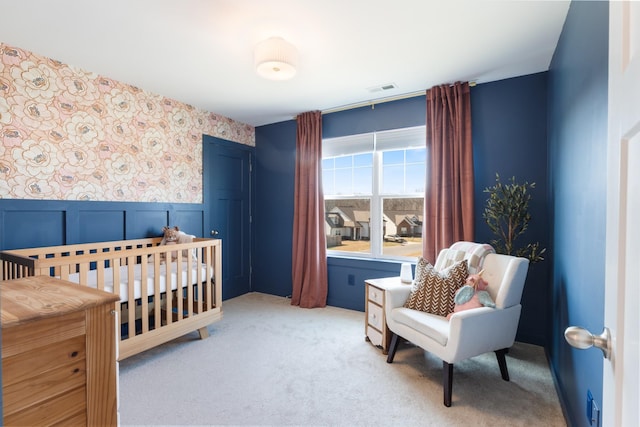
x=309 y=267
x=448 y=210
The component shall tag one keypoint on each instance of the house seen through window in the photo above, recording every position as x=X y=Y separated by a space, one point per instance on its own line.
x=374 y=193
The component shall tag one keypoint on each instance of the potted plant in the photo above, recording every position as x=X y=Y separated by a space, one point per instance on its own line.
x=507 y=214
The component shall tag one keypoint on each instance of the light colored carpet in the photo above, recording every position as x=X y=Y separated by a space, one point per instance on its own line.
x=268 y=363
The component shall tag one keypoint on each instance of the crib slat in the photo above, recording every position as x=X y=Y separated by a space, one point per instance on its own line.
x=63 y=272
x=115 y=271
x=208 y=262
x=115 y=275
x=131 y=301
x=180 y=285
x=156 y=289
x=84 y=272
x=144 y=299
x=100 y=275
x=178 y=312
x=218 y=273
x=200 y=280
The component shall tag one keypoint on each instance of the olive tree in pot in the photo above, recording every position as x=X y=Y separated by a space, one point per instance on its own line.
x=507 y=214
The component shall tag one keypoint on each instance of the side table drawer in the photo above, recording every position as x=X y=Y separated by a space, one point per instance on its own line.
x=376 y=318
x=376 y=295
x=374 y=336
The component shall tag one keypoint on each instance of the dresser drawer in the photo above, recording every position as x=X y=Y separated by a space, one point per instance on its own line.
x=44 y=388
x=62 y=409
x=376 y=318
x=34 y=363
x=40 y=333
x=375 y=294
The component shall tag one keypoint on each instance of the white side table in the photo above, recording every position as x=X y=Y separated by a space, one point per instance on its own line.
x=376 y=330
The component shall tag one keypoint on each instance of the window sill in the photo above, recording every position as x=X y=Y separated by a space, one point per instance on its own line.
x=369 y=259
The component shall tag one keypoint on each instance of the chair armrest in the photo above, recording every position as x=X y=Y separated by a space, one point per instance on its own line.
x=395 y=297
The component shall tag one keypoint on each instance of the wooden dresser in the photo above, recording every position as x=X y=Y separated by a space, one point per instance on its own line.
x=58 y=354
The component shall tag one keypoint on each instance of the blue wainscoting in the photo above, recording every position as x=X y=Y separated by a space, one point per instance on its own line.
x=33 y=223
x=347 y=276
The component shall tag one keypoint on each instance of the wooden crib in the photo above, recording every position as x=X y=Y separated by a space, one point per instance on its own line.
x=165 y=291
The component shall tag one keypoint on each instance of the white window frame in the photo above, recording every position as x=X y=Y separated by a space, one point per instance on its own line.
x=381 y=141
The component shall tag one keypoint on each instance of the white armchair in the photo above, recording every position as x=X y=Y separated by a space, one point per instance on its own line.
x=468 y=333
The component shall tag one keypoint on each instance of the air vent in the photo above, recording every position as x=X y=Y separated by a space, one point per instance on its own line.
x=382 y=88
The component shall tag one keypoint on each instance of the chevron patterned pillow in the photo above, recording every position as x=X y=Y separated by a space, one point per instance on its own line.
x=435 y=290
x=421 y=268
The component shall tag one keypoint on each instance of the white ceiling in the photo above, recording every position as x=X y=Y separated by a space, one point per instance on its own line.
x=201 y=51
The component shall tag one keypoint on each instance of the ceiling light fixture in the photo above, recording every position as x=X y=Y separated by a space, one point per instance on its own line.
x=276 y=59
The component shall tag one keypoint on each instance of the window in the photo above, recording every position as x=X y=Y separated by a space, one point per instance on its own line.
x=374 y=193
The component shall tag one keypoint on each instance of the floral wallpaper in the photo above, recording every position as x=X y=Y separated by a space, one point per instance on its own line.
x=68 y=134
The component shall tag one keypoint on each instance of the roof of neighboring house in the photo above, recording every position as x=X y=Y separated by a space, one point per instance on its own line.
x=356 y=214
x=347 y=220
x=361 y=216
x=400 y=216
x=352 y=217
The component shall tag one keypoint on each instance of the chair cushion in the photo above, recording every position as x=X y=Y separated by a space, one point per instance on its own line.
x=433 y=291
x=433 y=326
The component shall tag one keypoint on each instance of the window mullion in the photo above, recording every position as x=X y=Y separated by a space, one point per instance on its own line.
x=376 y=205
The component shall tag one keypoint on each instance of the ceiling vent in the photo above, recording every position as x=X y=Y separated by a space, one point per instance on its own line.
x=382 y=88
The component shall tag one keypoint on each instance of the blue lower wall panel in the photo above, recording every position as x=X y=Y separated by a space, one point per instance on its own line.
x=28 y=228
x=189 y=221
x=35 y=223
x=101 y=226
x=347 y=276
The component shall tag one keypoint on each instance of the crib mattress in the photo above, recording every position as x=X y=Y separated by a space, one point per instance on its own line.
x=92 y=278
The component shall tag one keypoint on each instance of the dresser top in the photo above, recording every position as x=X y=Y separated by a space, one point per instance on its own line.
x=39 y=297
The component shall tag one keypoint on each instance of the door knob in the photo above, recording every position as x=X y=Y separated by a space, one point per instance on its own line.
x=581 y=338
x=214 y=232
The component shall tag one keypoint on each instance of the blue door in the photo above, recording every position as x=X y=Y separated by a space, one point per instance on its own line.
x=227 y=198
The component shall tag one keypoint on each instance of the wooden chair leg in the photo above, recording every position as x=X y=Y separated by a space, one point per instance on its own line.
x=447 y=369
x=502 y=362
x=393 y=346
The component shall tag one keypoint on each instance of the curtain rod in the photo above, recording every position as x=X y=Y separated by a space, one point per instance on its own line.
x=373 y=103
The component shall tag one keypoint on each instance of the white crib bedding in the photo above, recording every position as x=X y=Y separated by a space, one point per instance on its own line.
x=92 y=278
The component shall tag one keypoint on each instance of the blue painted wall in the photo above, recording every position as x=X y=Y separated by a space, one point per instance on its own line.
x=519 y=105
x=577 y=166
x=32 y=223
x=273 y=221
x=510 y=138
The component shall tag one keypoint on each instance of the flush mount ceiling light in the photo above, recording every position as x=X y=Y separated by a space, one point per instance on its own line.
x=276 y=59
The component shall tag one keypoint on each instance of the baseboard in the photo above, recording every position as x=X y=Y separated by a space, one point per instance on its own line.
x=556 y=384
